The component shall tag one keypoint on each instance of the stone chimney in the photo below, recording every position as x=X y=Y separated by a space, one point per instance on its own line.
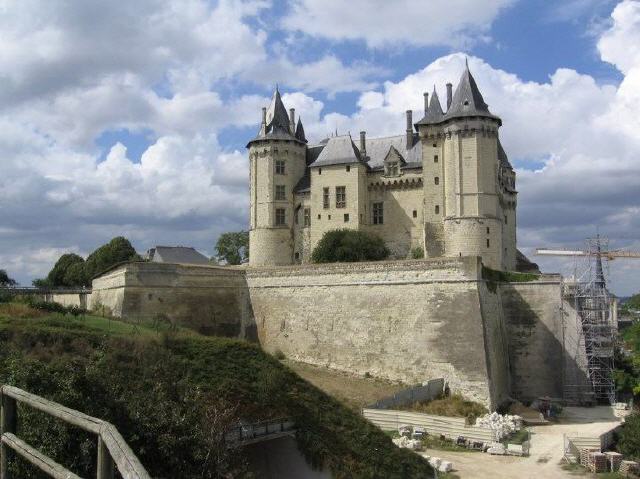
x=409 y=129
x=263 y=125
x=426 y=102
x=449 y=95
x=363 y=144
x=292 y=120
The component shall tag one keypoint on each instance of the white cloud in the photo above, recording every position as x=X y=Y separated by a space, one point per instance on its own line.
x=397 y=23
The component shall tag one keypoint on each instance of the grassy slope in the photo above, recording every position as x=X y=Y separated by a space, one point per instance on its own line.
x=156 y=389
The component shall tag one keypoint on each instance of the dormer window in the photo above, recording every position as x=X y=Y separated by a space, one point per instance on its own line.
x=393 y=163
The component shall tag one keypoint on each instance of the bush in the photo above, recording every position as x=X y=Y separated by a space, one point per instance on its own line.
x=349 y=246
x=629 y=439
x=417 y=253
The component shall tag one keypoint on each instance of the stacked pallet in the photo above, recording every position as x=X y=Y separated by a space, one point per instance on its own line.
x=613 y=459
x=584 y=456
x=597 y=462
x=628 y=467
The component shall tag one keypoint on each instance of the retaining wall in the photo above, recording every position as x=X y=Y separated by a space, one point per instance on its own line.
x=210 y=299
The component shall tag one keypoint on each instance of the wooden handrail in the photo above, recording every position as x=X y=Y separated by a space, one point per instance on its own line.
x=112 y=448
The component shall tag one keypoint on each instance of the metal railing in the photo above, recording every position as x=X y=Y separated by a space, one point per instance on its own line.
x=113 y=451
x=248 y=433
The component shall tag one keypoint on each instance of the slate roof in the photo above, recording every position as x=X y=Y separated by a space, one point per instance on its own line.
x=339 y=150
x=467 y=100
x=434 y=113
x=378 y=148
x=177 y=254
x=300 y=131
x=277 y=123
x=502 y=157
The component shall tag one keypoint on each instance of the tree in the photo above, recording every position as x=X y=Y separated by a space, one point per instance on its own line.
x=118 y=250
x=349 y=246
x=233 y=247
x=41 y=283
x=76 y=275
x=5 y=280
x=56 y=276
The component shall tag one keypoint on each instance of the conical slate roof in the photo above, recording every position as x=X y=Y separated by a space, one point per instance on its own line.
x=277 y=122
x=502 y=157
x=434 y=113
x=300 y=131
x=467 y=100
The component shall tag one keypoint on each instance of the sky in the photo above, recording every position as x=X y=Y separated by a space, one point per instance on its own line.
x=131 y=118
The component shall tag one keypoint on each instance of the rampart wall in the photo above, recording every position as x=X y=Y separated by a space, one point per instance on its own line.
x=407 y=321
x=210 y=299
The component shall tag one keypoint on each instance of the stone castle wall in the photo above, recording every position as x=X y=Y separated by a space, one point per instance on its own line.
x=408 y=321
x=209 y=299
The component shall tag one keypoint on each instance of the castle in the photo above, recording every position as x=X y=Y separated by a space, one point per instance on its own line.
x=444 y=188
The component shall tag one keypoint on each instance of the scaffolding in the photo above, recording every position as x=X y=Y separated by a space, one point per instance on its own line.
x=596 y=325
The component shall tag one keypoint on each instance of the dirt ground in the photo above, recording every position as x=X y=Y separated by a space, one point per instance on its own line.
x=546 y=449
x=354 y=391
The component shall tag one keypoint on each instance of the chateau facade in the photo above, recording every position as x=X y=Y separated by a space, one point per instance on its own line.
x=444 y=188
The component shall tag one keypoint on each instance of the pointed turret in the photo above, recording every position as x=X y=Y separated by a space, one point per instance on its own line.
x=467 y=100
x=434 y=113
x=300 y=131
x=276 y=122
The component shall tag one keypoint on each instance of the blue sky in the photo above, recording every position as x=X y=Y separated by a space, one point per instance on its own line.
x=139 y=128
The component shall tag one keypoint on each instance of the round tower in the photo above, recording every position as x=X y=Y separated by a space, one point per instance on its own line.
x=464 y=213
x=277 y=162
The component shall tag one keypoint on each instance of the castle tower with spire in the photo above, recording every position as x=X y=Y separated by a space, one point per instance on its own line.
x=276 y=165
x=444 y=187
x=468 y=181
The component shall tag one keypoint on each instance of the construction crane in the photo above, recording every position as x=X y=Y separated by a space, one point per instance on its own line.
x=609 y=255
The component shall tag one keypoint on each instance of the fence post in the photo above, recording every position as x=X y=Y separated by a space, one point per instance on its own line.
x=106 y=469
x=7 y=424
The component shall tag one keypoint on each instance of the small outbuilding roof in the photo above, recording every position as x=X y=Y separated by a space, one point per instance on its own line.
x=176 y=254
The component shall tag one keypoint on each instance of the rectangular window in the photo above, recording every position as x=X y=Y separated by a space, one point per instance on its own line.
x=280 y=167
x=319 y=171
x=307 y=217
x=378 y=213
x=435 y=158
x=505 y=219
x=341 y=196
x=319 y=216
x=415 y=213
x=435 y=145
x=437 y=209
x=280 y=218
x=487 y=242
x=348 y=168
x=487 y=230
x=280 y=193
x=346 y=217
x=325 y=198
x=436 y=180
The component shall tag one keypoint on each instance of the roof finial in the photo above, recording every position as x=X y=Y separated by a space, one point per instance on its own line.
x=277 y=91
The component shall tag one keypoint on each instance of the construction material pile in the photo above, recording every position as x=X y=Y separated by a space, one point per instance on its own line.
x=439 y=464
x=502 y=426
x=408 y=443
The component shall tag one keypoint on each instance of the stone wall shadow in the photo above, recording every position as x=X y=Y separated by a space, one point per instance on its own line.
x=539 y=363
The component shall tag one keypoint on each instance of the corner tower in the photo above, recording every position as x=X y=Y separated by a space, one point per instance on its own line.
x=277 y=161
x=464 y=174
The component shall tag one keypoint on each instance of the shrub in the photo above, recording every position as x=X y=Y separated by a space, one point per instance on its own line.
x=417 y=252
x=349 y=246
x=629 y=439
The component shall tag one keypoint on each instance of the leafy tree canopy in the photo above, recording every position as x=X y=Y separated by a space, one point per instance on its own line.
x=5 y=280
x=56 y=276
x=346 y=245
x=233 y=247
x=116 y=251
x=629 y=439
x=633 y=303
